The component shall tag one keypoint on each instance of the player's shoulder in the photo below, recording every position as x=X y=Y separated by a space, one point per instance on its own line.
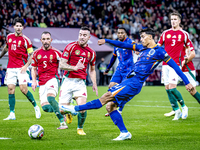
x=167 y=31
x=10 y=34
x=71 y=45
x=184 y=32
x=26 y=38
x=56 y=50
x=37 y=51
x=90 y=49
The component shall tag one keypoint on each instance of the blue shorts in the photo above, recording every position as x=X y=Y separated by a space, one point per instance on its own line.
x=118 y=76
x=126 y=90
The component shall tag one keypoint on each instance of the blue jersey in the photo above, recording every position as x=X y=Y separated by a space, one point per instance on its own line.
x=125 y=57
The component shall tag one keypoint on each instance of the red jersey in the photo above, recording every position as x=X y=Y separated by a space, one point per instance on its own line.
x=190 y=64
x=174 y=42
x=47 y=62
x=73 y=52
x=18 y=49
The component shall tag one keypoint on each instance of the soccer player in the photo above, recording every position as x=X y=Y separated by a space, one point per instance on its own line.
x=125 y=65
x=75 y=59
x=46 y=62
x=150 y=56
x=19 y=47
x=174 y=40
x=189 y=70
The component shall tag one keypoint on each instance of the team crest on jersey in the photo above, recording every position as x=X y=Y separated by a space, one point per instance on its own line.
x=151 y=52
x=51 y=57
x=19 y=43
x=88 y=55
x=77 y=52
x=168 y=36
x=39 y=57
x=179 y=37
x=66 y=54
x=10 y=40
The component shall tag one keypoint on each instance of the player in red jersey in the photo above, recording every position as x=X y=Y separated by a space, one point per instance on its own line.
x=189 y=70
x=75 y=59
x=174 y=40
x=18 y=47
x=46 y=62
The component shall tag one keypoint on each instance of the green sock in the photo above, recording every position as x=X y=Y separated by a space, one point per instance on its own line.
x=11 y=98
x=81 y=119
x=30 y=97
x=179 y=97
x=47 y=108
x=55 y=107
x=172 y=100
x=197 y=97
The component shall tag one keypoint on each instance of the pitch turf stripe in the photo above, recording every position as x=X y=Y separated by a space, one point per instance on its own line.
x=18 y=100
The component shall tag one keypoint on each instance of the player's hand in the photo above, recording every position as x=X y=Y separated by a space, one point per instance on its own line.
x=23 y=69
x=189 y=87
x=101 y=42
x=94 y=87
x=79 y=65
x=34 y=85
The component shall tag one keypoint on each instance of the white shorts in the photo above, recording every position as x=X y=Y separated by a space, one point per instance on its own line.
x=72 y=87
x=50 y=87
x=169 y=75
x=190 y=78
x=12 y=74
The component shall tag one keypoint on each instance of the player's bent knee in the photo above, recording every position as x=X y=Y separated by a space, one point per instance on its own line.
x=51 y=92
x=47 y=108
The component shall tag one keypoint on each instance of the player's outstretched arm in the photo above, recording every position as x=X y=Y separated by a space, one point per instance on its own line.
x=172 y=64
x=4 y=51
x=92 y=74
x=33 y=74
x=120 y=44
x=112 y=61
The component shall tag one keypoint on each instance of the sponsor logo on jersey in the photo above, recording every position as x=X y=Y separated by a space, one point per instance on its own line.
x=168 y=36
x=14 y=41
x=10 y=40
x=174 y=36
x=83 y=54
x=19 y=43
x=39 y=56
x=45 y=56
x=179 y=37
x=66 y=54
x=51 y=57
x=84 y=94
x=24 y=80
x=77 y=52
x=52 y=86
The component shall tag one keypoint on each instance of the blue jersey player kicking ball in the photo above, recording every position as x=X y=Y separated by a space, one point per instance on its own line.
x=150 y=56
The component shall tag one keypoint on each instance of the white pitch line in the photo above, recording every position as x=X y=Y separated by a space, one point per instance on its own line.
x=3 y=138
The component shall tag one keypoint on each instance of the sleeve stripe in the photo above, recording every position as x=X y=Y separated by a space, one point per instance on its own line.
x=30 y=50
x=168 y=60
x=134 y=47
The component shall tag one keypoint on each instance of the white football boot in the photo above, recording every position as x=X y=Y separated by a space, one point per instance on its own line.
x=172 y=113
x=63 y=125
x=68 y=109
x=11 y=116
x=178 y=114
x=37 y=112
x=184 y=112
x=123 y=136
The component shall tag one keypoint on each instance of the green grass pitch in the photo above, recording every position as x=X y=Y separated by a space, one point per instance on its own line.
x=143 y=117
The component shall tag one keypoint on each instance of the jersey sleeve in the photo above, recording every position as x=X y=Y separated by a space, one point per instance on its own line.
x=28 y=45
x=161 y=40
x=34 y=60
x=66 y=53
x=93 y=59
x=190 y=45
x=114 y=52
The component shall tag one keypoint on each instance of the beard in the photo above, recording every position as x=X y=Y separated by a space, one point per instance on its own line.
x=46 y=46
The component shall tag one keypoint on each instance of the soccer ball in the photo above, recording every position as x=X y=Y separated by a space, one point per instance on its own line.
x=36 y=131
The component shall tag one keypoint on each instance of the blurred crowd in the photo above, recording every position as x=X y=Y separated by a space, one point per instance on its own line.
x=102 y=16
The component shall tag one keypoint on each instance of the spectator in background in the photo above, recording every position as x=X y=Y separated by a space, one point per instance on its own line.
x=102 y=68
x=2 y=75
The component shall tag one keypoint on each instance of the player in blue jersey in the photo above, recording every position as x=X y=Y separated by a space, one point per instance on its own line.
x=125 y=65
x=150 y=56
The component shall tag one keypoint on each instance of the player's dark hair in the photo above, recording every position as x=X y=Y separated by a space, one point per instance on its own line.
x=175 y=14
x=148 y=31
x=123 y=29
x=85 y=28
x=46 y=32
x=20 y=20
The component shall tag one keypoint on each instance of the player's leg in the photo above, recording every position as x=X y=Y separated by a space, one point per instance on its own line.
x=23 y=79
x=192 y=80
x=81 y=115
x=11 y=79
